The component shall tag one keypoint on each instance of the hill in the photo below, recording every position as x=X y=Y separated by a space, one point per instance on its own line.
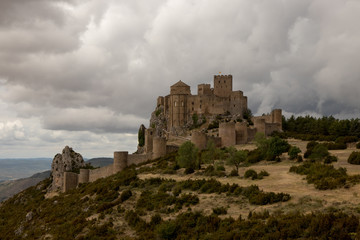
x=157 y=200
x=10 y=187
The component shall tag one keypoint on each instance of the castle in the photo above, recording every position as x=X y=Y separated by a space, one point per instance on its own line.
x=177 y=110
x=180 y=105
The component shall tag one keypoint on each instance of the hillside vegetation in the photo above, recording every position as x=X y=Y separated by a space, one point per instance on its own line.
x=159 y=200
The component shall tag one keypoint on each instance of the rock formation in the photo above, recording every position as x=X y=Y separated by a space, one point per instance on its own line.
x=68 y=161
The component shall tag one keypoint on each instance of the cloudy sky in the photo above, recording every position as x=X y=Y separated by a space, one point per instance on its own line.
x=86 y=73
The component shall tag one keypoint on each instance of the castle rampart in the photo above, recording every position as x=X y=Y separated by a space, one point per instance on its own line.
x=227 y=134
x=70 y=181
x=84 y=175
x=199 y=139
x=159 y=147
x=120 y=161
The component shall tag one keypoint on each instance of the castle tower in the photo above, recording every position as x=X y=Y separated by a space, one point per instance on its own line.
x=259 y=124
x=149 y=134
x=241 y=132
x=178 y=111
x=70 y=181
x=222 y=85
x=120 y=161
x=277 y=117
x=84 y=175
x=227 y=134
x=159 y=147
x=199 y=139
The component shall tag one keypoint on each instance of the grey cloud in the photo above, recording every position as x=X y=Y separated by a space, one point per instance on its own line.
x=111 y=60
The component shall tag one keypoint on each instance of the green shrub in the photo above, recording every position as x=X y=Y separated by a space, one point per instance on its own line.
x=219 y=211
x=263 y=173
x=293 y=152
x=319 y=152
x=324 y=176
x=234 y=173
x=354 y=158
x=251 y=174
x=330 y=159
x=125 y=195
x=220 y=168
x=188 y=156
x=299 y=158
x=189 y=170
x=255 y=156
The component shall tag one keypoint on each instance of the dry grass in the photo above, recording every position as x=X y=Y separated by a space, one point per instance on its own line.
x=305 y=197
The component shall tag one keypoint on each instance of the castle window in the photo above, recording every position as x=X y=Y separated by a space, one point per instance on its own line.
x=182 y=103
x=175 y=104
x=200 y=106
x=234 y=105
x=193 y=109
x=219 y=81
x=192 y=103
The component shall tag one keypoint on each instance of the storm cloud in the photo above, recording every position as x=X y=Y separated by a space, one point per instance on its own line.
x=94 y=68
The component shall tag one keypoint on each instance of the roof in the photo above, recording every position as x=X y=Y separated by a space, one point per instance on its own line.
x=180 y=84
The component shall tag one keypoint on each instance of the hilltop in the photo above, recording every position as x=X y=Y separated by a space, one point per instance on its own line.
x=157 y=199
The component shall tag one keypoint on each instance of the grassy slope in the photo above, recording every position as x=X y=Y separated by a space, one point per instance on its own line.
x=96 y=209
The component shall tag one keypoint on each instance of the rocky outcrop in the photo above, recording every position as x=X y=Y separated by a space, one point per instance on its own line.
x=158 y=121
x=68 y=161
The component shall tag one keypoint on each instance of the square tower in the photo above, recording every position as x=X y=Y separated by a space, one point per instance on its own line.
x=222 y=85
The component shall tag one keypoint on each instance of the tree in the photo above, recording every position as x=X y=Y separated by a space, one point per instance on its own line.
x=188 y=155
x=210 y=153
x=141 y=136
x=319 y=153
x=236 y=157
x=293 y=152
x=277 y=146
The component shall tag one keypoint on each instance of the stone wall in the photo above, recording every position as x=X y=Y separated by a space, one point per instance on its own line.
x=101 y=173
x=227 y=134
x=70 y=181
x=138 y=158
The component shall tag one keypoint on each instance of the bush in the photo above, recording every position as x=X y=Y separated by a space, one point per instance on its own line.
x=354 y=158
x=251 y=174
x=219 y=211
x=324 y=176
x=299 y=158
x=319 y=152
x=263 y=173
x=255 y=156
x=330 y=159
x=220 y=168
x=189 y=170
x=358 y=145
x=234 y=173
x=125 y=195
x=188 y=156
x=293 y=152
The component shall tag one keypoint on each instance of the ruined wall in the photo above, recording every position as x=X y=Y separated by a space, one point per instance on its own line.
x=251 y=134
x=259 y=124
x=84 y=175
x=138 y=158
x=171 y=148
x=241 y=131
x=101 y=172
x=199 y=139
x=227 y=134
x=159 y=147
x=70 y=181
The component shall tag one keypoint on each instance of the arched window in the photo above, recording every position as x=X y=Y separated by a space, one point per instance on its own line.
x=182 y=103
x=175 y=103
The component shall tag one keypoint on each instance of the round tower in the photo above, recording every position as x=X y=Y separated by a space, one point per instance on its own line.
x=227 y=134
x=84 y=175
x=120 y=161
x=277 y=116
x=241 y=132
x=159 y=147
x=199 y=139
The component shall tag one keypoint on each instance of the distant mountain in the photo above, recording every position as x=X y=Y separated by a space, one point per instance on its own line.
x=8 y=187
x=11 y=169
x=12 y=187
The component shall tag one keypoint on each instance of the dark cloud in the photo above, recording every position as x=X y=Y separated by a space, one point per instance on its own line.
x=90 y=65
